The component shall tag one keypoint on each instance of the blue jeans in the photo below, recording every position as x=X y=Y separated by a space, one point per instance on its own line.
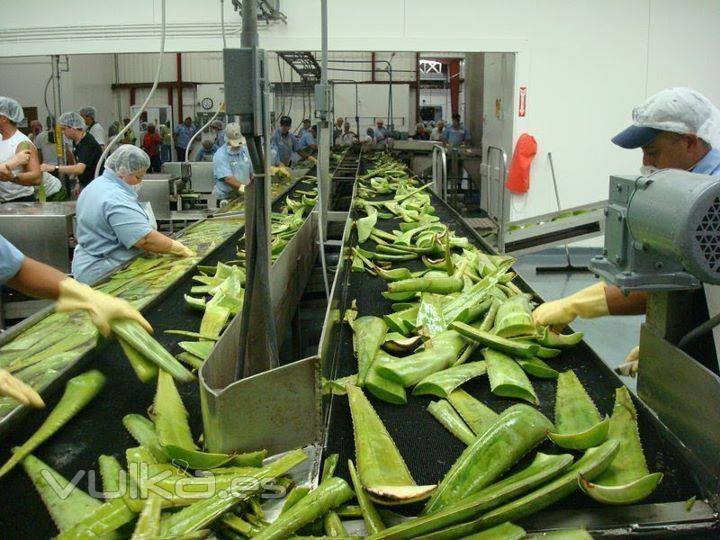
x=165 y=154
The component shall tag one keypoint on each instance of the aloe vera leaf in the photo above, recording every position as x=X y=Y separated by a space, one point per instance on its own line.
x=375 y=256
x=111 y=473
x=489 y=319
x=148 y=525
x=446 y=415
x=380 y=466
x=543 y=468
x=67 y=343
x=171 y=417
x=294 y=497
x=214 y=320
x=136 y=336
x=474 y=313
x=109 y=517
x=443 y=382
x=144 y=369
x=548 y=338
x=507 y=378
x=382 y=388
x=543 y=352
x=368 y=335
x=143 y=431
x=593 y=462
x=476 y=414
x=195 y=459
x=472 y=297
x=577 y=420
x=365 y=225
x=397 y=343
x=562 y=534
x=402 y=322
x=190 y=359
x=370 y=515
x=439 y=353
x=195 y=303
x=66 y=503
x=515 y=432
x=403 y=296
x=514 y=318
x=504 y=531
x=537 y=368
x=79 y=391
x=396 y=274
x=430 y=315
x=336 y=387
x=439 y=285
x=467 y=353
x=249 y=459
x=333 y=525
x=205 y=511
x=507 y=346
x=200 y=349
x=629 y=493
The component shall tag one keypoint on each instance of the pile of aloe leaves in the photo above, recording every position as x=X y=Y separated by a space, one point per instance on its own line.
x=462 y=318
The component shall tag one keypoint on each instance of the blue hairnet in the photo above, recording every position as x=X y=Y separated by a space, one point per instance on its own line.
x=71 y=119
x=128 y=159
x=11 y=109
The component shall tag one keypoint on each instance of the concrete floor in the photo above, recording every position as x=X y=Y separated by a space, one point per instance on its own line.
x=610 y=337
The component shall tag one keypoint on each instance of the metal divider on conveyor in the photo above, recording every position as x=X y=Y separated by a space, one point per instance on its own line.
x=98 y=428
x=429 y=450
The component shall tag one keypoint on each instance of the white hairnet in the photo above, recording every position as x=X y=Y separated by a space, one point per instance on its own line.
x=680 y=110
x=128 y=159
x=11 y=109
x=71 y=119
x=87 y=111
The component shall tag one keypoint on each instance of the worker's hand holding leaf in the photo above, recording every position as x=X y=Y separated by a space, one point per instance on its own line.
x=101 y=307
x=587 y=303
x=15 y=388
x=181 y=250
x=631 y=364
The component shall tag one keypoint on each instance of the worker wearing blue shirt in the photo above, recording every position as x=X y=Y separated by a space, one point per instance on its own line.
x=112 y=227
x=304 y=129
x=455 y=134
x=380 y=132
x=308 y=143
x=207 y=150
x=217 y=129
x=232 y=167
x=183 y=134
x=39 y=280
x=285 y=141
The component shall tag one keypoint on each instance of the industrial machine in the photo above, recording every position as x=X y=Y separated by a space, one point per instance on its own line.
x=663 y=237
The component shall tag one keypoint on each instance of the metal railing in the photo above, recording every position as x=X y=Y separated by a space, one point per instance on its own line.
x=501 y=179
x=439 y=171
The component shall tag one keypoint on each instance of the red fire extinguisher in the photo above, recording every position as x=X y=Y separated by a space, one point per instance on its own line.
x=518 y=180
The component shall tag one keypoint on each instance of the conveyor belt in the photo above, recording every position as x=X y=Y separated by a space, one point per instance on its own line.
x=98 y=428
x=429 y=450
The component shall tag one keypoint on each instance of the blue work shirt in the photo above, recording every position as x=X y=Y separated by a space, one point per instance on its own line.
x=227 y=164
x=110 y=221
x=302 y=131
x=183 y=134
x=202 y=152
x=286 y=144
x=220 y=139
x=11 y=260
x=455 y=136
x=274 y=155
x=306 y=140
x=709 y=164
x=379 y=134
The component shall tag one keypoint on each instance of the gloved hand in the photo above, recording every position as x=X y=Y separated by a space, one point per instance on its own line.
x=586 y=304
x=15 y=388
x=180 y=250
x=313 y=159
x=102 y=307
x=280 y=171
x=630 y=366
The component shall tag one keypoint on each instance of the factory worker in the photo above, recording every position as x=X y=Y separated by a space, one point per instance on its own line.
x=183 y=134
x=338 y=129
x=380 y=133
x=207 y=150
x=677 y=128
x=112 y=226
x=93 y=127
x=308 y=143
x=437 y=132
x=218 y=130
x=305 y=128
x=16 y=182
x=347 y=137
x=421 y=133
x=455 y=134
x=232 y=167
x=39 y=280
x=86 y=150
x=284 y=140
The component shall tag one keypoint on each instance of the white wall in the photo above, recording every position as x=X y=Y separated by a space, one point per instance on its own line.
x=585 y=63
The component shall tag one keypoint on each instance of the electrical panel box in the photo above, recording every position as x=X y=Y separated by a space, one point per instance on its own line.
x=244 y=71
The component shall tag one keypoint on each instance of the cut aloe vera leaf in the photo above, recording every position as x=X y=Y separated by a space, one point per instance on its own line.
x=537 y=368
x=443 y=382
x=430 y=315
x=195 y=459
x=504 y=531
x=336 y=387
x=381 y=468
x=171 y=416
x=507 y=378
x=365 y=225
x=507 y=346
x=543 y=352
x=143 y=368
x=395 y=274
x=548 y=338
x=397 y=343
x=191 y=360
x=402 y=322
x=402 y=306
x=578 y=422
x=435 y=284
x=370 y=515
x=630 y=493
x=516 y=431
x=401 y=296
x=214 y=320
x=368 y=335
x=446 y=415
x=382 y=388
x=201 y=349
x=514 y=318
x=476 y=414
x=143 y=431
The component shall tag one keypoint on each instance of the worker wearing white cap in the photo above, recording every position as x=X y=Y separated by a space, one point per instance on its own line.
x=93 y=128
x=112 y=226
x=42 y=281
x=677 y=128
x=16 y=183
x=232 y=167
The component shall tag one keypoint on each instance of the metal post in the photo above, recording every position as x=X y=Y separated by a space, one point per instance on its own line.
x=325 y=131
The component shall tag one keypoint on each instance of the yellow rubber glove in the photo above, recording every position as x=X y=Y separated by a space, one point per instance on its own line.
x=313 y=159
x=586 y=304
x=16 y=389
x=631 y=364
x=102 y=307
x=181 y=250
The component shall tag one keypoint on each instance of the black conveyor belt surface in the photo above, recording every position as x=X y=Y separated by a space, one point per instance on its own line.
x=429 y=449
x=98 y=428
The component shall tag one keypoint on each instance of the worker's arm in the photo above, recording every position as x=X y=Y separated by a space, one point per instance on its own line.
x=76 y=169
x=37 y=279
x=618 y=303
x=31 y=176
x=234 y=183
x=159 y=243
